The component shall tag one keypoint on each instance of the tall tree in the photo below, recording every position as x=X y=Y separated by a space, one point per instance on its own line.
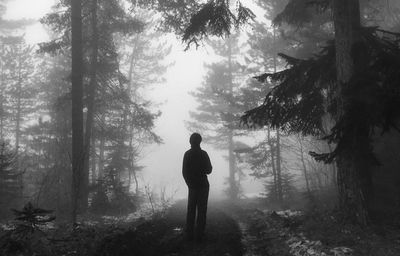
x=335 y=83
x=352 y=74
x=77 y=104
x=102 y=21
x=354 y=178
x=219 y=110
x=20 y=90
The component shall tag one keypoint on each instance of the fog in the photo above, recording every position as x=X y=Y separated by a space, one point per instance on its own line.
x=213 y=127
x=162 y=163
x=264 y=89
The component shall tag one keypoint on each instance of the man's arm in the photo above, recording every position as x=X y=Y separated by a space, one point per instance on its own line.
x=208 y=165
x=184 y=167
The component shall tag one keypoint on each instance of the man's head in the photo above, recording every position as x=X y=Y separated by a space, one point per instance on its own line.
x=195 y=139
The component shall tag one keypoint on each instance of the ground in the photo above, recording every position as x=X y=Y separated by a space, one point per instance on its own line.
x=242 y=228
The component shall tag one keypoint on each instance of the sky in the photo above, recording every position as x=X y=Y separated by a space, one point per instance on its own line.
x=163 y=163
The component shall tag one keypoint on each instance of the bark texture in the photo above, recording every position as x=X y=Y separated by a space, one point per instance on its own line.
x=77 y=105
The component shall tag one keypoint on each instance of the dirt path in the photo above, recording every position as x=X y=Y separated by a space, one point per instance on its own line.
x=164 y=236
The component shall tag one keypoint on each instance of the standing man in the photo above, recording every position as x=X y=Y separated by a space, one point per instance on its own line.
x=196 y=166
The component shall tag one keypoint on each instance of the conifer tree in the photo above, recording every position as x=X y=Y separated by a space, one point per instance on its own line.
x=219 y=109
x=10 y=179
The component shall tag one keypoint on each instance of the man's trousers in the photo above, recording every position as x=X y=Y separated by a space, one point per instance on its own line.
x=197 y=202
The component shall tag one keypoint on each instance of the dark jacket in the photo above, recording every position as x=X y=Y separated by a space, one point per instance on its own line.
x=196 y=166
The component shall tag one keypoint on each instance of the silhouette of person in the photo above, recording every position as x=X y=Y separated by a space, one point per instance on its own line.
x=196 y=167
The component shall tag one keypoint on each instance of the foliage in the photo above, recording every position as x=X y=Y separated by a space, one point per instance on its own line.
x=10 y=179
x=122 y=120
x=301 y=12
x=112 y=196
x=215 y=18
x=28 y=238
x=31 y=218
x=218 y=113
x=298 y=103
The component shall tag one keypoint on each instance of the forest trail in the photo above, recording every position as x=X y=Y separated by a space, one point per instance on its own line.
x=164 y=236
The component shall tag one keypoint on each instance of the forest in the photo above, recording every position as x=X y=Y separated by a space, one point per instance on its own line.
x=297 y=103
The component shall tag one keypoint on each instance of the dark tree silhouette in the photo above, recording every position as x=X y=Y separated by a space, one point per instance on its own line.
x=77 y=104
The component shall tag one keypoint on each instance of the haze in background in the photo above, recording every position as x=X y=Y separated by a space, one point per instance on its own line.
x=162 y=163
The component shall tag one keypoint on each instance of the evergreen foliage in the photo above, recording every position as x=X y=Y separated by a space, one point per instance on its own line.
x=305 y=94
x=10 y=180
x=119 y=121
x=215 y=18
x=31 y=218
x=218 y=114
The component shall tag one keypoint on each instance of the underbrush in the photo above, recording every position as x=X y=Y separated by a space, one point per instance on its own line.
x=33 y=232
x=317 y=229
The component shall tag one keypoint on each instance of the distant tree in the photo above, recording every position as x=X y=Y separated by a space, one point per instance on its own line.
x=10 y=180
x=20 y=90
x=335 y=76
x=77 y=105
x=117 y=120
x=102 y=20
x=48 y=137
x=219 y=109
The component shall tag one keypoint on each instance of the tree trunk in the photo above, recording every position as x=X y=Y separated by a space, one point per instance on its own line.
x=304 y=165
x=279 y=167
x=273 y=167
x=77 y=95
x=90 y=107
x=278 y=143
x=18 y=114
x=101 y=151
x=2 y=111
x=93 y=160
x=352 y=171
x=233 y=190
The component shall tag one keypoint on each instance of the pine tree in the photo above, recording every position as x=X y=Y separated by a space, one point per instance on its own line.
x=77 y=106
x=10 y=180
x=20 y=92
x=48 y=139
x=348 y=80
x=219 y=110
x=300 y=106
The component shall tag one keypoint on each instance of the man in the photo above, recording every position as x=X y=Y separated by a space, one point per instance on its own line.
x=196 y=166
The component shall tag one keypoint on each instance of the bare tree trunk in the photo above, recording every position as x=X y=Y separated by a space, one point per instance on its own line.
x=304 y=165
x=2 y=112
x=136 y=183
x=234 y=190
x=93 y=160
x=90 y=107
x=352 y=172
x=18 y=114
x=101 y=151
x=279 y=166
x=77 y=105
x=272 y=149
x=278 y=143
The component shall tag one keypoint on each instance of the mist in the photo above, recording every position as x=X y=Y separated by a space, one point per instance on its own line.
x=261 y=127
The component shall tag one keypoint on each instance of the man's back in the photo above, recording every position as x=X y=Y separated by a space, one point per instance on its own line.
x=196 y=166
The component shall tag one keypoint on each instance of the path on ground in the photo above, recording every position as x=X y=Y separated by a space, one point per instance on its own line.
x=165 y=236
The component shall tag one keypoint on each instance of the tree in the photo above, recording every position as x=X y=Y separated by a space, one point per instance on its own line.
x=20 y=92
x=310 y=89
x=48 y=138
x=299 y=102
x=10 y=179
x=219 y=110
x=354 y=178
x=102 y=20
x=77 y=104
